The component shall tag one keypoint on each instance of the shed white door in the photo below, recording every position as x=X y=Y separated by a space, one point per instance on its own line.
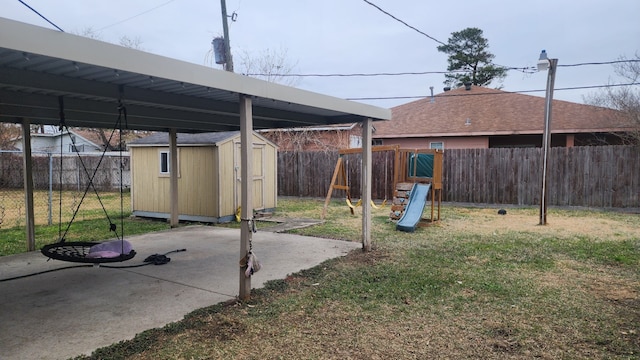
x=259 y=161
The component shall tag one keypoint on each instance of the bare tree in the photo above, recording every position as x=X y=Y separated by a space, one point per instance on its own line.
x=9 y=134
x=131 y=43
x=270 y=65
x=274 y=66
x=301 y=139
x=624 y=98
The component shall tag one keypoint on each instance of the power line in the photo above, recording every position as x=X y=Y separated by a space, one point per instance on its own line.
x=376 y=74
x=402 y=22
x=601 y=63
x=42 y=16
x=485 y=94
x=529 y=70
x=135 y=16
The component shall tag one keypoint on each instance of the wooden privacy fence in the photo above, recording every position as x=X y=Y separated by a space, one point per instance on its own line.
x=598 y=176
x=308 y=174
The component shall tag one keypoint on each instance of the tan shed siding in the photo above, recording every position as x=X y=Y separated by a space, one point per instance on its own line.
x=161 y=201
x=226 y=174
x=215 y=181
x=195 y=191
x=132 y=165
x=146 y=183
x=271 y=176
x=258 y=176
x=208 y=183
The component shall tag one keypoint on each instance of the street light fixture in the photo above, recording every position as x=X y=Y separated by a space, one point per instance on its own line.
x=545 y=63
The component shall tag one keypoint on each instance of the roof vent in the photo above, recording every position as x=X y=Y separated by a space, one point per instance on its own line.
x=446 y=88
x=467 y=122
x=432 y=98
x=467 y=85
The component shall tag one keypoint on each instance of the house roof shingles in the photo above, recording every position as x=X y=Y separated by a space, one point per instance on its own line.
x=493 y=112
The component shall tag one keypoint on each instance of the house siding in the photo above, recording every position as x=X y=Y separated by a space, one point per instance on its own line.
x=50 y=143
x=479 y=142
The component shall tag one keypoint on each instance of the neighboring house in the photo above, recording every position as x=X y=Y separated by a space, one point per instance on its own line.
x=74 y=140
x=488 y=118
x=316 y=138
x=209 y=172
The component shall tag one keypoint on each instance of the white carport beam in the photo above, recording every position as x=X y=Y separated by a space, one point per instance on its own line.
x=173 y=177
x=246 y=203
x=366 y=185
x=28 y=184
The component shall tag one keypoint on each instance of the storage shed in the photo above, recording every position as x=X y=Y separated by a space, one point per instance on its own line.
x=209 y=180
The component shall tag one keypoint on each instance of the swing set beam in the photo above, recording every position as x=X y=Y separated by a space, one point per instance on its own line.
x=339 y=177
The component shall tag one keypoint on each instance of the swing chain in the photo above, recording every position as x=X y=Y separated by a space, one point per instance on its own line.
x=122 y=110
x=251 y=223
x=61 y=114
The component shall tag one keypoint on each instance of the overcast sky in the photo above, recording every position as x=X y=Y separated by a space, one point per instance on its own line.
x=351 y=36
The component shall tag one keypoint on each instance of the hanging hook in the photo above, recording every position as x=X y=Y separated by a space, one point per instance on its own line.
x=61 y=113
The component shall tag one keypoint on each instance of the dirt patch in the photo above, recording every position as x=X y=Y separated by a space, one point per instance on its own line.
x=220 y=328
x=487 y=221
x=368 y=258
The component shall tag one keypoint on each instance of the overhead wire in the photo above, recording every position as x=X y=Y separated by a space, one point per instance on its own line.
x=403 y=22
x=487 y=94
x=375 y=74
x=39 y=14
x=526 y=69
x=601 y=63
x=135 y=16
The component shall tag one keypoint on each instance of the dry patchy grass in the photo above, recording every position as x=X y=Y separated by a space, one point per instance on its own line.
x=477 y=285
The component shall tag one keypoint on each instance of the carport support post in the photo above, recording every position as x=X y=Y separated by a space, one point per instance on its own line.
x=246 y=175
x=366 y=185
x=28 y=184
x=173 y=177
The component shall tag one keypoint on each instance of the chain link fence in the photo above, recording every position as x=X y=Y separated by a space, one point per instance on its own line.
x=61 y=187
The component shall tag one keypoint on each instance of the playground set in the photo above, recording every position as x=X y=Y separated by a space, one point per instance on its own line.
x=417 y=176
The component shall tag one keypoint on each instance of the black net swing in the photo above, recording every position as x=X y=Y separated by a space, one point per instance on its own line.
x=89 y=251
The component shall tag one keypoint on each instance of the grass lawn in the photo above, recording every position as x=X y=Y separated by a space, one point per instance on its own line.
x=477 y=285
x=90 y=223
x=86 y=206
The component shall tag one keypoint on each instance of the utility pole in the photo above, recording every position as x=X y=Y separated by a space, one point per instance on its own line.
x=228 y=66
x=545 y=63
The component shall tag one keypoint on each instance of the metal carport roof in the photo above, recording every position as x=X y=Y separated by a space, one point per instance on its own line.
x=160 y=93
x=46 y=73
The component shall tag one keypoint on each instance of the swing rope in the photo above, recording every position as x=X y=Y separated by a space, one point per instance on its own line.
x=90 y=184
x=80 y=251
x=60 y=128
x=122 y=110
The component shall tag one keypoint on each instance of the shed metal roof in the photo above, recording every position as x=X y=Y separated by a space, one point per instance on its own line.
x=40 y=69
x=210 y=138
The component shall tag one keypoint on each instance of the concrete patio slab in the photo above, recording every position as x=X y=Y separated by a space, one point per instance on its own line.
x=66 y=313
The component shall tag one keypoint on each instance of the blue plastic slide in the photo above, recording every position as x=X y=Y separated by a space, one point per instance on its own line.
x=414 y=208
